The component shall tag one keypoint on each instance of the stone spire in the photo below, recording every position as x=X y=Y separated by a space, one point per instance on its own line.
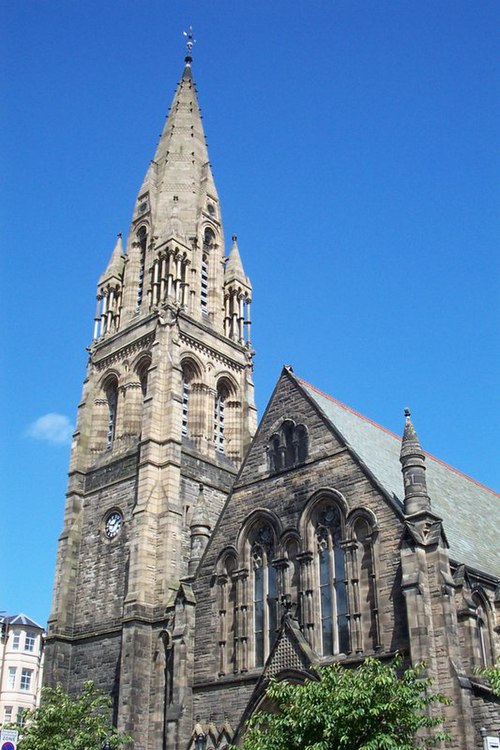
x=179 y=179
x=413 y=467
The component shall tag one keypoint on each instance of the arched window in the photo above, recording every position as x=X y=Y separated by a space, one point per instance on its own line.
x=208 y=239
x=302 y=443
x=142 y=372
x=274 y=453
x=111 y=391
x=188 y=375
x=330 y=564
x=365 y=617
x=288 y=447
x=265 y=591
x=219 y=436
x=227 y=604
x=482 y=635
x=142 y=238
x=292 y=576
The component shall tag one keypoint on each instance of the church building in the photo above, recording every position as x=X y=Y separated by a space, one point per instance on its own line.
x=201 y=556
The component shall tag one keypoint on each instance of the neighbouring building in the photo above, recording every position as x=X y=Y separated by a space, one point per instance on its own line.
x=21 y=666
x=200 y=557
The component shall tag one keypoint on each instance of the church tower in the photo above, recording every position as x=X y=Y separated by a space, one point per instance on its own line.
x=166 y=415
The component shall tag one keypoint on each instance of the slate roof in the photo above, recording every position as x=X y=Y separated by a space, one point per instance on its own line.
x=21 y=620
x=470 y=512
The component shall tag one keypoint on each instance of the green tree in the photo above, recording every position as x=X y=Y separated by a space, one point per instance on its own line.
x=372 y=707
x=64 y=723
x=492 y=674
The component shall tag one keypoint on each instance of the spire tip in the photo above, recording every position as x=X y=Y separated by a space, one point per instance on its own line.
x=189 y=45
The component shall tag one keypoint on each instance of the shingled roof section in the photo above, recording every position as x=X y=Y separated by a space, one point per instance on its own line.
x=470 y=512
x=21 y=619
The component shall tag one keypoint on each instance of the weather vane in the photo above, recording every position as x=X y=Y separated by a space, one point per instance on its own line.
x=190 y=41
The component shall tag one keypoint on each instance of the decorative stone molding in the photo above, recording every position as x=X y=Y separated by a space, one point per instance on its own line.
x=142 y=344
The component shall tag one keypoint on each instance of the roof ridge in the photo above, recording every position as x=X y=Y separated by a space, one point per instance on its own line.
x=393 y=434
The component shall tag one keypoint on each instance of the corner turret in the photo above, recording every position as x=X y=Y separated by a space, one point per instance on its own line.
x=412 y=460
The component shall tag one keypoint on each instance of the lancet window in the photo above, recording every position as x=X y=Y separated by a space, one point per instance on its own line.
x=265 y=592
x=219 y=436
x=365 y=629
x=482 y=635
x=288 y=446
x=188 y=375
x=331 y=578
x=111 y=391
x=142 y=372
x=226 y=606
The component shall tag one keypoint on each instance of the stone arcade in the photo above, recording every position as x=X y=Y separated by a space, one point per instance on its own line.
x=200 y=557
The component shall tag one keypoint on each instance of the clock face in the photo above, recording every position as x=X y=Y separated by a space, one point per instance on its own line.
x=113 y=524
x=143 y=207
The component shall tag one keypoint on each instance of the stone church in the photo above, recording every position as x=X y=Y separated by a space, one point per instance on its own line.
x=200 y=555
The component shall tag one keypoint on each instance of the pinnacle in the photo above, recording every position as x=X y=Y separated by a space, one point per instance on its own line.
x=115 y=265
x=234 y=267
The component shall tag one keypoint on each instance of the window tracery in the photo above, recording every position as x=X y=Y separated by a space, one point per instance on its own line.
x=332 y=582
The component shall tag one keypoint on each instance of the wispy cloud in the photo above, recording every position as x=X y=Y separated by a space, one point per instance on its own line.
x=53 y=428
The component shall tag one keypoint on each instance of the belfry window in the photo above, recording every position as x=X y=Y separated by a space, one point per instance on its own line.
x=204 y=285
x=332 y=583
x=142 y=237
x=219 y=416
x=265 y=594
x=187 y=378
x=186 y=387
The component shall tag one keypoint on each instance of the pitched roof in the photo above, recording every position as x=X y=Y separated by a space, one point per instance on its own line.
x=22 y=620
x=470 y=512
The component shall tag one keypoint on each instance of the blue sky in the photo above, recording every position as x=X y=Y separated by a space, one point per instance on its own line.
x=354 y=144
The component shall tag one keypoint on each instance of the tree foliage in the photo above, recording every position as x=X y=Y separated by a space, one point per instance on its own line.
x=368 y=708
x=64 y=723
x=492 y=674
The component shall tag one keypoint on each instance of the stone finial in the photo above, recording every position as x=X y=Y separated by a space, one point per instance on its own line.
x=190 y=42
x=412 y=460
